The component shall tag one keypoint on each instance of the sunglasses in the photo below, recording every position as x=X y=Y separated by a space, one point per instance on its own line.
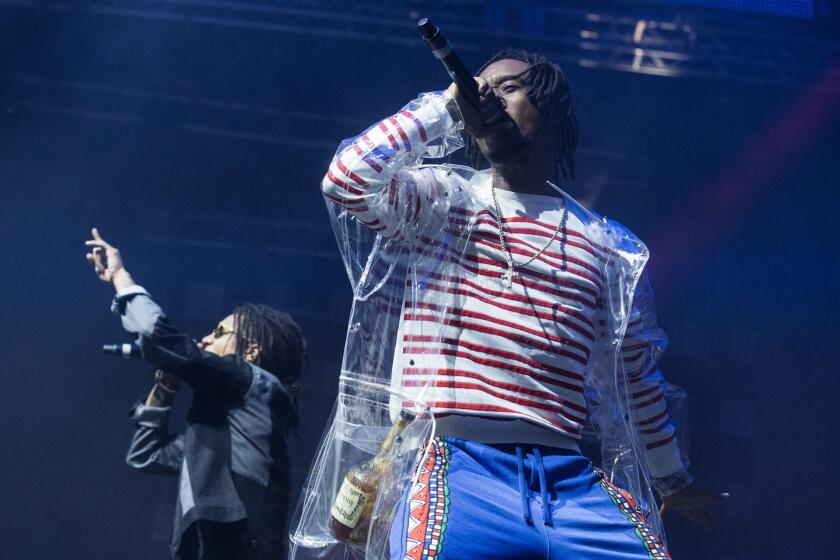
x=221 y=330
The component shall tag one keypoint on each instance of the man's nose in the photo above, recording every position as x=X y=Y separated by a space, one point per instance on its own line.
x=494 y=97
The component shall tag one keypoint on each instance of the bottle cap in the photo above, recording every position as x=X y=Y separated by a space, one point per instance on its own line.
x=407 y=415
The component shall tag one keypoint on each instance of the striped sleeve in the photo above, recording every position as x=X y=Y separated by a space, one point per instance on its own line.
x=643 y=344
x=373 y=175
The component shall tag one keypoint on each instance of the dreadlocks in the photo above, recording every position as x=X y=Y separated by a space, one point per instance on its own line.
x=548 y=90
x=282 y=348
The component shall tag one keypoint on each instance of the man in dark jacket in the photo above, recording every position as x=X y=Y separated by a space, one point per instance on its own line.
x=232 y=458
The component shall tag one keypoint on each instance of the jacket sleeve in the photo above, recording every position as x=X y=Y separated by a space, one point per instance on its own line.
x=375 y=175
x=153 y=449
x=643 y=344
x=226 y=377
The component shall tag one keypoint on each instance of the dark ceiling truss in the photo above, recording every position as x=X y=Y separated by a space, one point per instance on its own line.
x=641 y=38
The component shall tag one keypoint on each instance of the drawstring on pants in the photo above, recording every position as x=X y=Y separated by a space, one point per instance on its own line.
x=546 y=504
x=524 y=493
x=523 y=486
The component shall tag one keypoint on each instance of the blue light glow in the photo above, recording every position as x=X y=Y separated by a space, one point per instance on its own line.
x=793 y=8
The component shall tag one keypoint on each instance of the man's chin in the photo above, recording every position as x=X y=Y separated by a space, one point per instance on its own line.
x=506 y=153
x=506 y=147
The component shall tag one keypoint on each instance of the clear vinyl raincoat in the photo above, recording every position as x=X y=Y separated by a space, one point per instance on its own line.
x=388 y=266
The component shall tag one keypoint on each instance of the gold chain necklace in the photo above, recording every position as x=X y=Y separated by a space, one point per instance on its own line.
x=512 y=265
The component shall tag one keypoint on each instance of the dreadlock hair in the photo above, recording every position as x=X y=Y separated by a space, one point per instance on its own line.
x=282 y=348
x=548 y=89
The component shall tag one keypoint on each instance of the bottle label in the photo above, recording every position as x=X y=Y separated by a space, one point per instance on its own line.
x=349 y=504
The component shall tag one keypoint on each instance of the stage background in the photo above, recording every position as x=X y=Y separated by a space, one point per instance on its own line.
x=195 y=135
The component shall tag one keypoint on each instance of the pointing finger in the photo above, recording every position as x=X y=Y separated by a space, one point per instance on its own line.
x=97 y=237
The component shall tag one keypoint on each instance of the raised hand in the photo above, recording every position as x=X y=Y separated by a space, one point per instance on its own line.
x=472 y=117
x=107 y=262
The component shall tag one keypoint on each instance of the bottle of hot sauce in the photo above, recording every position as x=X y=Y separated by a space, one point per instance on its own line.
x=350 y=513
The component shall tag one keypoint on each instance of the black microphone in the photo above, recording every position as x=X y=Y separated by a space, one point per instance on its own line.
x=491 y=113
x=125 y=350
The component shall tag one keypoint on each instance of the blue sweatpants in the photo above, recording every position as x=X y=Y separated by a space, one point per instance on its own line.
x=479 y=501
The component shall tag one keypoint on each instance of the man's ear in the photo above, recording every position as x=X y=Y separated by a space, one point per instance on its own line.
x=252 y=353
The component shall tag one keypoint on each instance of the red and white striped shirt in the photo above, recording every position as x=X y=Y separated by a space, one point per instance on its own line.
x=506 y=363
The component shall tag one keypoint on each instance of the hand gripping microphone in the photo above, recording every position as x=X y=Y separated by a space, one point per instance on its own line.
x=125 y=350
x=491 y=114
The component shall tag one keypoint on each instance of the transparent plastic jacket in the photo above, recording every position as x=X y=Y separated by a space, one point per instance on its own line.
x=387 y=270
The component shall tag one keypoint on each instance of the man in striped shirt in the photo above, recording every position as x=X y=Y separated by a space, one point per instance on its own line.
x=505 y=335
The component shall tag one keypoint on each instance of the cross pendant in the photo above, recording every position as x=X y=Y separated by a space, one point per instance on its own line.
x=508 y=275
